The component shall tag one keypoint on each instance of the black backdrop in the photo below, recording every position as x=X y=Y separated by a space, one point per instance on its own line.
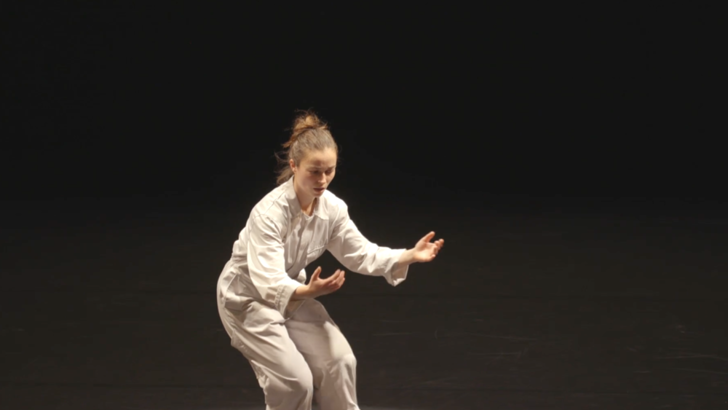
x=136 y=137
x=447 y=105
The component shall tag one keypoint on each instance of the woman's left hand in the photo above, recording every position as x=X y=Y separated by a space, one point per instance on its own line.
x=425 y=251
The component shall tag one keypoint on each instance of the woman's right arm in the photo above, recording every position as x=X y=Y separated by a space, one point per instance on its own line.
x=266 y=263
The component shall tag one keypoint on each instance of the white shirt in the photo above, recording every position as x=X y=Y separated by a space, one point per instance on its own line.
x=280 y=240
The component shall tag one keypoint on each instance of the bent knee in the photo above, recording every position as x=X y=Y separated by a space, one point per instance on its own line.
x=294 y=392
x=299 y=383
x=348 y=360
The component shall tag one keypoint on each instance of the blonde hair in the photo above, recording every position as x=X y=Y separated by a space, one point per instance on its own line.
x=309 y=133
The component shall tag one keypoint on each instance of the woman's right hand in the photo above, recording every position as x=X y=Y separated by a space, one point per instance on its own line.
x=318 y=287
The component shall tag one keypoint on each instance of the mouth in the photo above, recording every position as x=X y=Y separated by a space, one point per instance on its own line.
x=319 y=189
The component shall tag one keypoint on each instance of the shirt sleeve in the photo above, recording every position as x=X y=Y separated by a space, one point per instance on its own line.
x=356 y=253
x=266 y=264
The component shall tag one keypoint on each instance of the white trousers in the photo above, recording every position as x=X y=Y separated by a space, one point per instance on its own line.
x=295 y=359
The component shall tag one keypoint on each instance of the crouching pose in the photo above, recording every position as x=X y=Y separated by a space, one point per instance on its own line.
x=271 y=314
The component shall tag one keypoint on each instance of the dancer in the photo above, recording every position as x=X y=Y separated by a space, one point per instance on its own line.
x=270 y=313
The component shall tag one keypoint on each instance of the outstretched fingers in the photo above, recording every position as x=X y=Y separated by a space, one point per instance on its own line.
x=428 y=237
x=332 y=278
x=435 y=247
x=316 y=274
x=340 y=280
x=334 y=281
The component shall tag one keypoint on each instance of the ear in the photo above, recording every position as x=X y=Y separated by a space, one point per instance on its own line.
x=292 y=165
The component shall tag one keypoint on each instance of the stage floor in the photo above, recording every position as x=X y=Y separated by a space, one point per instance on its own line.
x=116 y=310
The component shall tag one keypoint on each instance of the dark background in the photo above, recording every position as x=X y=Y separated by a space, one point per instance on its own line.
x=448 y=104
x=569 y=155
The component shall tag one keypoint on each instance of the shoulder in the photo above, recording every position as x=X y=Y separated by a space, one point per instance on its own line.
x=333 y=207
x=272 y=208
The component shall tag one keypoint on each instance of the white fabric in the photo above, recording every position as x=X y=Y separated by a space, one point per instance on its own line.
x=278 y=335
x=295 y=359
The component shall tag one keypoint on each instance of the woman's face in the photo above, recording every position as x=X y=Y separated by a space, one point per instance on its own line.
x=314 y=173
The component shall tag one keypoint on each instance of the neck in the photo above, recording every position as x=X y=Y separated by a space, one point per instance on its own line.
x=305 y=201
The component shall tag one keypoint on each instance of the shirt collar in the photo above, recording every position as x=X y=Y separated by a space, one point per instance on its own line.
x=295 y=206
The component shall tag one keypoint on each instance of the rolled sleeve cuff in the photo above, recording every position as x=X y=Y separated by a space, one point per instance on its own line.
x=283 y=297
x=396 y=274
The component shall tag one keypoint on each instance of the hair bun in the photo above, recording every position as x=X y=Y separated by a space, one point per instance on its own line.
x=307 y=120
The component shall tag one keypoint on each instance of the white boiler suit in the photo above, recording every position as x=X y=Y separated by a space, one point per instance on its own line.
x=294 y=347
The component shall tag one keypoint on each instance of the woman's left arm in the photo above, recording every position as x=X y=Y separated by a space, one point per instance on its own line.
x=360 y=255
x=424 y=250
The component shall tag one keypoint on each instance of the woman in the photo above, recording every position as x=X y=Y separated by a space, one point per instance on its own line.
x=271 y=315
